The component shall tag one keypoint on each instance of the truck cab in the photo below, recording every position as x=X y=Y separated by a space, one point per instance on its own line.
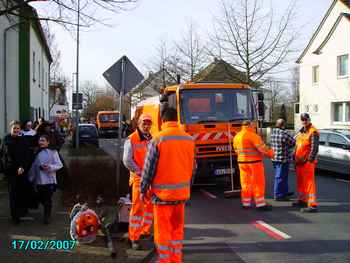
x=212 y=113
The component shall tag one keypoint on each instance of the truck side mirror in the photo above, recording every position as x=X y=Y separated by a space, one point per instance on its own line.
x=163 y=98
x=261 y=106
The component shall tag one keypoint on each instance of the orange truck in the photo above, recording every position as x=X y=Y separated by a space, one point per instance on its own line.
x=212 y=113
x=107 y=123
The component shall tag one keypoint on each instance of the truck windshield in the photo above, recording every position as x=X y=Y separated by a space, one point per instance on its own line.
x=109 y=117
x=216 y=105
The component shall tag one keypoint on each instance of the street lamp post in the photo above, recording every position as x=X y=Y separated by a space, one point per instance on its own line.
x=77 y=85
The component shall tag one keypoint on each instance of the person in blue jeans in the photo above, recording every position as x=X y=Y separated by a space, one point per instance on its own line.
x=282 y=143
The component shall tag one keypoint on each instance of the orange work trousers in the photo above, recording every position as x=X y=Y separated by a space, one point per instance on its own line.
x=169 y=232
x=141 y=213
x=306 y=185
x=252 y=183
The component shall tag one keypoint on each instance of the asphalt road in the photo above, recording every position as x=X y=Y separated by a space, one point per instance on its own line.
x=219 y=230
x=110 y=146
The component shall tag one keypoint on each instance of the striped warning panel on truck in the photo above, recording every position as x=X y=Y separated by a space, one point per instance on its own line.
x=212 y=136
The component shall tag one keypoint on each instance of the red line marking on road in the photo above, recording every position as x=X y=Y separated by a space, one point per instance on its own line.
x=270 y=230
x=207 y=194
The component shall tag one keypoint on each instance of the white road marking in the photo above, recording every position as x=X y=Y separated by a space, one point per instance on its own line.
x=344 y=181
x=206 y=193
x=273 y=229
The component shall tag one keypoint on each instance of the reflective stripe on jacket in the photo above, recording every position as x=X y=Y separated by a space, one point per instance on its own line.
x=303 y=145
x=175 y=164
x=250 y=147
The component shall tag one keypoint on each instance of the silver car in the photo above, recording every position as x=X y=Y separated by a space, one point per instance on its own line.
x=334 y=151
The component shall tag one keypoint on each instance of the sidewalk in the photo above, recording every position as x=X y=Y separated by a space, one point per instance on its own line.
x=32 y=228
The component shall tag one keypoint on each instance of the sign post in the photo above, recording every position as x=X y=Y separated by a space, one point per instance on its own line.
x=123 y=76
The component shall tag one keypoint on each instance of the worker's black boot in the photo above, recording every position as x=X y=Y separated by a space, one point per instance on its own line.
x=310 y=209
x=299 y=203
x=266 y=207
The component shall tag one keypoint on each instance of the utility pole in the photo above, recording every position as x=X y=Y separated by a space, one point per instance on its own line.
x=77 y=85
x=120 y=109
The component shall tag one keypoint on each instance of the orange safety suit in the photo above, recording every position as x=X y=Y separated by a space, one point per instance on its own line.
x=250 y=150
x=172 y=153
x=141 y=214
x=305 y=169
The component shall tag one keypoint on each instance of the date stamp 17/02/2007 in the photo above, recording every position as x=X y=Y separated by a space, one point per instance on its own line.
x=42 y=245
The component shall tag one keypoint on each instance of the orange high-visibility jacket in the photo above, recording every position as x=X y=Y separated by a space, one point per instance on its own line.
x=303 y=145
x=250 y=147
x=175 y=164
x=139 y=149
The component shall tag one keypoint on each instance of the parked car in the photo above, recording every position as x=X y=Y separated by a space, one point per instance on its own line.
x=334 y=151
x=87 y=135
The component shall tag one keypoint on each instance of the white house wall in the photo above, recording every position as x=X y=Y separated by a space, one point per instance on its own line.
x=3 y=24
x=317 y=98
x=11 y=67
x=39 y=88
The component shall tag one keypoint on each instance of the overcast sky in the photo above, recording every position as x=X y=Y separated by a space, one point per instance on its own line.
x=135 y=33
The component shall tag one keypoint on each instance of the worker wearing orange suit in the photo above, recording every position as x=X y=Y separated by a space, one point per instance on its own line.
x=135 y=149
x=251 y=150
x=307 y=142
x=169 y=167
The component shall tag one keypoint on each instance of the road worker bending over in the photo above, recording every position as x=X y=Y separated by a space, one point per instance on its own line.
x=135 y=149
x=168 y=170
x=307 y=142
x=251 y=150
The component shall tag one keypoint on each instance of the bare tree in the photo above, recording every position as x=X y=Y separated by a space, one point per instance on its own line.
x=89 y=90
x=251 y=39
x=56 y=73
x=294 y=72
x=191 y=52
x=275 y=97
x=163 y=62
x=64 y=11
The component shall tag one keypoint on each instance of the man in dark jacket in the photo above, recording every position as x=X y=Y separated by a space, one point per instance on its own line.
x=17 y=160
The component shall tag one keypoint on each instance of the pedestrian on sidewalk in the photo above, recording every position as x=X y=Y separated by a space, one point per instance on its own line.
x=282 y=144
x=28 y=129
x=15 y=152
x=135 y=149
x=251 y=150
x=307 y=142
x=169 y=167
x=43 y=175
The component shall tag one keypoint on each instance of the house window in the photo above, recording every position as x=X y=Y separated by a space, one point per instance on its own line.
x=296 y=108
x=39 y=70
x=341 y=112
x=34 y=66
x=42 y=77
x=315 y=74
x=343 y=66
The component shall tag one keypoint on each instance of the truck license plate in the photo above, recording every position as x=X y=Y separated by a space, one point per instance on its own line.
x=223 y=171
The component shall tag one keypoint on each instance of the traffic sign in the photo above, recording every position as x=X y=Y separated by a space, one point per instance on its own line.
x=131 y=77
x=77 y=103
x=77 y=106
x=80 y=98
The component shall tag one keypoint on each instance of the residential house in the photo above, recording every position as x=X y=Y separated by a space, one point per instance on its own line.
x=150 y=87
x=24 y=68
x=325 y=72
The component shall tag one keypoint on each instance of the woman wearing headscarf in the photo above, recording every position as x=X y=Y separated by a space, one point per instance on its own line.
x=16 y=161
x=43 y=174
